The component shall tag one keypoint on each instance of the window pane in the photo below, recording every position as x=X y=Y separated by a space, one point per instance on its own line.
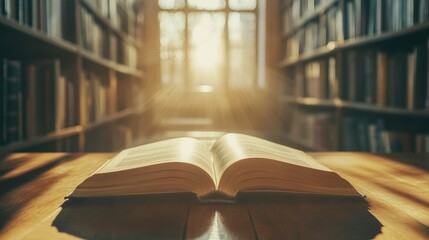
x=206 y=48
x=172 y=43
x=207 y=4
x=242 y=41
x=242 y=4
x=171 y=4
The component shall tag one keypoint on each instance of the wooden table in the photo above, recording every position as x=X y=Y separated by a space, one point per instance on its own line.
x=33 y=187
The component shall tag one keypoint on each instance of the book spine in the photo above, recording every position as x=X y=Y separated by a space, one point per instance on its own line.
x=216 y=197
x=12 y=102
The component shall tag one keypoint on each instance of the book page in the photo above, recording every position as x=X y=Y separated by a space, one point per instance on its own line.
x=186 y=150
x=234 y=147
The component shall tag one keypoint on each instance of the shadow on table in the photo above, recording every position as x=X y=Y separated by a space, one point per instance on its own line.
x=124 y=217
x=288 y=217
x=312 y=217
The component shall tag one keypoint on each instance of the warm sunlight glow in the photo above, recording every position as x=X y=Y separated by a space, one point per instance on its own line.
x=207 y=51
x=205 y=88
x=208 y=45
x=207 y=4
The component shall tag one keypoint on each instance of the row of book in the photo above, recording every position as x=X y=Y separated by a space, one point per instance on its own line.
x=125 y=15
x=318 y=79
x=48 y=16
x=315 y=130
x=95 y=39
x=396 y=79
x=296 y=12
x=368 y=18
x=318 y=131
x=94 y=36
x=120 y=136
x=36 y=99
x=361 y=18
x=372 y=136
x=315 y=34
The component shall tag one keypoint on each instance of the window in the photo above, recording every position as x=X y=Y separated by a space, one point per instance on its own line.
x=210 y=42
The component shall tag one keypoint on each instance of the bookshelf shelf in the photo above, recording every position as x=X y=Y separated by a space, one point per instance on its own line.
x=69 y=64
x=17 y=31
x=347 y=105
x=316 y=13
x=355 y=43
x=372 y=108
x=115 y=117
x=63 y=133
x=108 y=24
x=311 y=102
x=128 y=70
x=110 y=64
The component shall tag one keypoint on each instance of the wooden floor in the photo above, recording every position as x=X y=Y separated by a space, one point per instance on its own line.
x=33 y=188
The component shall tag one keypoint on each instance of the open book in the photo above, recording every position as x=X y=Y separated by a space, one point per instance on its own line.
x=234 y=164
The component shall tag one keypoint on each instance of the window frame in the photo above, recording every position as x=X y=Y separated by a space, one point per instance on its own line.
x=226 y=10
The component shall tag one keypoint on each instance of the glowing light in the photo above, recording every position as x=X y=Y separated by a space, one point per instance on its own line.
x=205 y=88
x=206 y=40
x=331 y=45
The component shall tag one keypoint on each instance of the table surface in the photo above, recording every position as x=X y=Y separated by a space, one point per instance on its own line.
x=33 y=187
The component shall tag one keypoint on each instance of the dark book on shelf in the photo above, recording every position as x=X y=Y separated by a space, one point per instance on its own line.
x=427 y=78
x=43 y=77
x=350 y=19
x=423 y=11
x=417 y=78
x=368 y=78
x=42 y=23
x=352 y=75
x=235 y=164
x=12 y=104
x=53 y=10
x=333 y=79
x=348 y=128
x=372 y=18
x=382 y=78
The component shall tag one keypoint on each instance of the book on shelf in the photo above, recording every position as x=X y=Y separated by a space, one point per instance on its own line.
x=43 y=108
x=333 y=79
x=427 y=79
x=93 y=35
x=361 y=18
x=316 y=130
x=49 y=98
x=362 y=134
x=11 y=101
x=316 y=79
x=418 y=77
x=235 y=164
x=97 y=96
x=382 y=78
x=42 y=15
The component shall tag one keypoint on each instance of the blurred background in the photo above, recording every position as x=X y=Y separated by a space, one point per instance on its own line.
x=319 y=75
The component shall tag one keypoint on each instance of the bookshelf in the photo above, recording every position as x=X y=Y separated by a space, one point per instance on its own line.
x=70 y=75
x=355 y=74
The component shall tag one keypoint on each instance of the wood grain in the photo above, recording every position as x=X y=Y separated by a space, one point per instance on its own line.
x=219 y=221
x=33 y=187
x=310 y=217
x=397 y=193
